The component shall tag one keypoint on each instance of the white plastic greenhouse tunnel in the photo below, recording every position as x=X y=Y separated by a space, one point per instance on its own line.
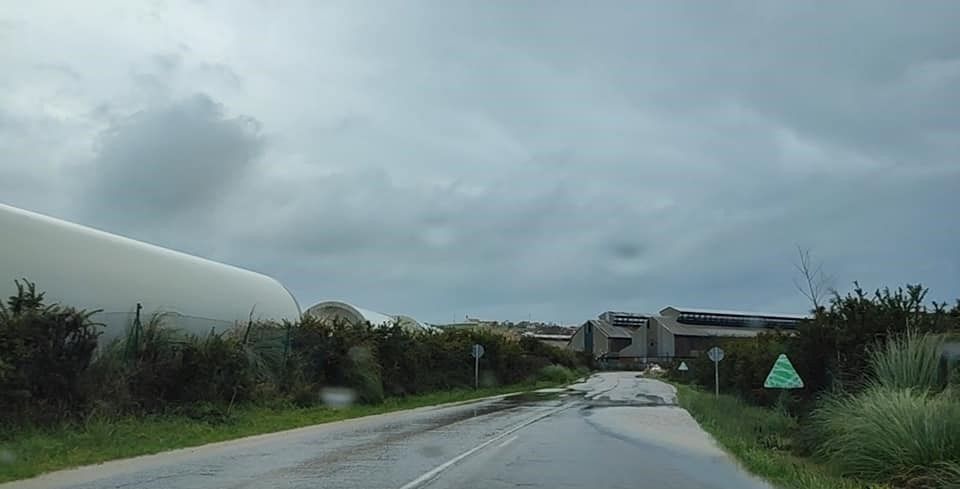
x=343 y=311
x=89 y=269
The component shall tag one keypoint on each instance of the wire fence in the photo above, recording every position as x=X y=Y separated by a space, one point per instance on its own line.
x=116 y=323
x=610 y=362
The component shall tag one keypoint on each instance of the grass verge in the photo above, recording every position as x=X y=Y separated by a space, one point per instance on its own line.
x=32 y=452
x=761 y=440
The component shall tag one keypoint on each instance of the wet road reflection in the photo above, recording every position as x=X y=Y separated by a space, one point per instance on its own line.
x=616 y=430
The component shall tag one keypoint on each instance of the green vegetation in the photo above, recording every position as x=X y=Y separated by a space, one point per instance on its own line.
x=901 y=429
x=880 y=405
x=157 y=388
x=911 y=361
x=33 y=451
x=558 y=374
x=904 y=427
x=833 y=350
x=762 y=439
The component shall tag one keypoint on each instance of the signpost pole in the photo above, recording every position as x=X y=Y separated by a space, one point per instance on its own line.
x=716 y=354
x=716 y=378
x=477 y=352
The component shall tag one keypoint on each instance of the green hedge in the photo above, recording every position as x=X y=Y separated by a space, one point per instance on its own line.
x=49 y=370
x=831 y=351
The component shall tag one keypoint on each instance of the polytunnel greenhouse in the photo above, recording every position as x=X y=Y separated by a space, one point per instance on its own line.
x=89 y=269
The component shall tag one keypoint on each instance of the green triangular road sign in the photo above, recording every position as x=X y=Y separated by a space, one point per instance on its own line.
x=783 y=375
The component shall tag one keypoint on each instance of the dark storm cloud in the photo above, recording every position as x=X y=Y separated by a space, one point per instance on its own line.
x=503 y=159
x=171 y=160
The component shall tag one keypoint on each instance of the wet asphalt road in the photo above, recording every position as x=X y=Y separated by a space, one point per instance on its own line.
x=614 y=431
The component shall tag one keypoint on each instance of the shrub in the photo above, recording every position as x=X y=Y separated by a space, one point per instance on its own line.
x=558 y=356
x=911 y=361
x=155 y=368
x=833 y=350
x=557 y=374
x=43 y=350
x=904 y=427
x=48 y=370
x=887 y=434
x=745 y=366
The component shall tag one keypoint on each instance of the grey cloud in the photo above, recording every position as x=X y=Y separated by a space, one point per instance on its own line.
x=554 y=159
x=170 y=160
x=844 y=74
x=61 y=70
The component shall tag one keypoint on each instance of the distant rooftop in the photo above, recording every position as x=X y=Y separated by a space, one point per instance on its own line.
x=625 y=319
x=548 y=336
x=609 y=330
x=674 y=311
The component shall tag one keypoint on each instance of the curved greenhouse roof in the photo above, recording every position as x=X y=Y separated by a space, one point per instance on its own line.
x=343 y=311
x=89 y=269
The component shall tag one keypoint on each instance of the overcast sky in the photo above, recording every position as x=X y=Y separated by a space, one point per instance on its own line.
x=506 y=159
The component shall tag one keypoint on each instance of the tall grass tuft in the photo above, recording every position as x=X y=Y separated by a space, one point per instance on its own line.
x=904 y=427
x=947 y=476
x=886 y=434
x=911 y=361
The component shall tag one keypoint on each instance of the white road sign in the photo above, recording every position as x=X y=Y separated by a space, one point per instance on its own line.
x=715 y=354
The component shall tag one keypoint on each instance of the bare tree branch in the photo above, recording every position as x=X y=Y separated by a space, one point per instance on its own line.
x=812 y=282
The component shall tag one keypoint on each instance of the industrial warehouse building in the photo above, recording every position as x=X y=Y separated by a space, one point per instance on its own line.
x=675 y=332
x=349 y=313
x=612 y=332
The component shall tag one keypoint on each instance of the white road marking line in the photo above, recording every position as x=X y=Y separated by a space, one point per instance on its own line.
x=432 y=474
x=509 y=441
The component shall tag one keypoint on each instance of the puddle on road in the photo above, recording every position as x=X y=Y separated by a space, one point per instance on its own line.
x=531 y=397
x=639 y=400
x=391 y=433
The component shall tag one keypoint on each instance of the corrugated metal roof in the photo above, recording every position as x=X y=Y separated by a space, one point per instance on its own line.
x=609 y=330
x=544 y=336
x=676 y=328
x=674 y=311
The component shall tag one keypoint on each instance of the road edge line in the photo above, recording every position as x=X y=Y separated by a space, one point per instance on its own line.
x=432 y=474
x=80 y=470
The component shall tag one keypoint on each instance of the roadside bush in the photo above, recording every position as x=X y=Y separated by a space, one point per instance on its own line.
x=833 y=350
x=558 y=356
x=49 y=370
x=557 y=374
x=911 y=361
x=886 y=434
x=745 y=366
x=903 y=427
x=339 y=354
x=155 y=368
x=43 y=350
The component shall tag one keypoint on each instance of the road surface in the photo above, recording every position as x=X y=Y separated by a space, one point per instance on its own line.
x=615 y=430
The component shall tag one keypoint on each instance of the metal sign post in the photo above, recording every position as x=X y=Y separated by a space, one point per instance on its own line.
x=716 y=354
x=477 y=352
